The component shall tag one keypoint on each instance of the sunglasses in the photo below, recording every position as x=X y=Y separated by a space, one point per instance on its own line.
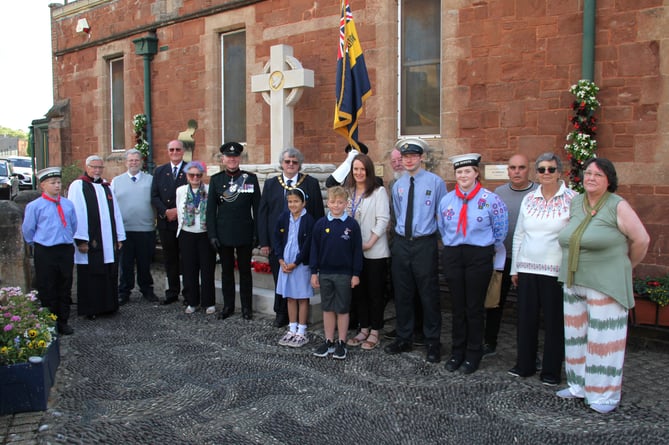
x=194 y=175
x=290 y=161
x=543 y=169
x=174 y=149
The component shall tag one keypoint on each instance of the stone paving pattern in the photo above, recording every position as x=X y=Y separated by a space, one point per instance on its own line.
x=154 y=375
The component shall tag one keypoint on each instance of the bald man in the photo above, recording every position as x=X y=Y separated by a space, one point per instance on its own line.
x=512 y=193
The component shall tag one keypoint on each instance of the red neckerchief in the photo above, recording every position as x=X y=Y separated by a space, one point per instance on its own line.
x=60 y=208
x=462 y=220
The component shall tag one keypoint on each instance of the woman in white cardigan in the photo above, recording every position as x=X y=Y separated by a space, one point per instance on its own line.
x=369 y=205
x=534 y=270
x=197 y=256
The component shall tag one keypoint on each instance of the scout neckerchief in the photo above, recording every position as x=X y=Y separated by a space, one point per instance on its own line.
x=462 y=220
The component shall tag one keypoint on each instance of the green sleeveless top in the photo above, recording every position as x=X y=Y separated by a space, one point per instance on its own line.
x=604 y=263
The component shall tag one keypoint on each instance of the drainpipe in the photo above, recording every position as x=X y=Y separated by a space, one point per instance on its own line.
x=147 y=47
x=588 y=51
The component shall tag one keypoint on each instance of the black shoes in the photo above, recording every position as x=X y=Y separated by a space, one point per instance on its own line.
x=170 y=300
x=469 y=367
x=123 y=300
x=150 y=297
x=433 y=353
x=390 y=335
x=398 y=346
x=489 y=350
x=225 y=313
x=280 y=321
x=550 y=381
x=247 y=314
x=453 y=364
x=64 y=329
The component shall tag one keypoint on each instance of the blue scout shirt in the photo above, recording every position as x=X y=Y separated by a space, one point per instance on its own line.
x=429 y=189
x=487 y=222
x=42 y=224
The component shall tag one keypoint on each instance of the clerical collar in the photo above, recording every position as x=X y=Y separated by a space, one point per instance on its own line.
x=342 y=217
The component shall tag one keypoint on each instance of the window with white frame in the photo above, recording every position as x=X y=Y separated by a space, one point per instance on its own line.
x=420 y=67
x=116 y=104
x=233 y=86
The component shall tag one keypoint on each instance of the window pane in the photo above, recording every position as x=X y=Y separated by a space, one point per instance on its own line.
x=234 y=86
x=420 y=70
x=117 y=116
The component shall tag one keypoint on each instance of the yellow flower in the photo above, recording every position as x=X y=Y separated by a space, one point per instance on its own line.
x=4 y=350
x=32 y=333
x=53 y=316
x=41 y=344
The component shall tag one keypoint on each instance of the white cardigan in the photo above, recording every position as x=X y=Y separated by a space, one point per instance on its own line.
x=535 y=241
x=373 y=214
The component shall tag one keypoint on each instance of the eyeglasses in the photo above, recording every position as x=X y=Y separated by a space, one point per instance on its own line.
x=97 y=166
x=291 y=161
x=174 y=149
x=194 y=175
x=543 y=169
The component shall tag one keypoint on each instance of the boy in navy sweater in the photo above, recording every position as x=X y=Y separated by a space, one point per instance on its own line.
x=335 y=262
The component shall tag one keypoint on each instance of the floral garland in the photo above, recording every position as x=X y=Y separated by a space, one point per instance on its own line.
x=139 y=122
x=581 y=144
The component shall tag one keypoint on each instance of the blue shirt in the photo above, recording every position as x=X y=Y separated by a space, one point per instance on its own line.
x=42 y=224
x=487 y=222
x=429 y=189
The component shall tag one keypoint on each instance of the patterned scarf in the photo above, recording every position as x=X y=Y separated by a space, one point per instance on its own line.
x=196 y=203
x=575 y=239
x=462 y=220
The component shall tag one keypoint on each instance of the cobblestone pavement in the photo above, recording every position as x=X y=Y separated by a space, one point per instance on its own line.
x=154 y=375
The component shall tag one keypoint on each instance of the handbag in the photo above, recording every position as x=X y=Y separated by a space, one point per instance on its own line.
x=494 y=290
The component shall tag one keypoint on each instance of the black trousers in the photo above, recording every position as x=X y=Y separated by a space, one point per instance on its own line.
x=53 y=277
x=280 y=303
x=493 y=316
x=227 y=254
x=415 y=273
x=199 y=261
x=368 y=296
x=168 y=239
x=467 y=270
x=540 y=293
x=138 y=248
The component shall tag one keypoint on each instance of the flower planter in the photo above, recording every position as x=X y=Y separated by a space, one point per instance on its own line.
x=25 y=386
x=649 y=313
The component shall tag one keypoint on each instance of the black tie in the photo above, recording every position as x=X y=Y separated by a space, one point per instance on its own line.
x=134 y=178
x=408 y=221
x=289 y=182
x=174 y=173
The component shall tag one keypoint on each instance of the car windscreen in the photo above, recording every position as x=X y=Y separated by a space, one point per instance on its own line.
x=3 y=170
x=26 y=163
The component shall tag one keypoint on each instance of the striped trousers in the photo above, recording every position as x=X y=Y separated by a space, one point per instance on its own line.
x=595 y=329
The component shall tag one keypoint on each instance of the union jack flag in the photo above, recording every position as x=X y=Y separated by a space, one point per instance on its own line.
x=352 y=85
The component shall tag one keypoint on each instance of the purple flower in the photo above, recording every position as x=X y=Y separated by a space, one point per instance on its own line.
x=16 y=318
x=9 y=327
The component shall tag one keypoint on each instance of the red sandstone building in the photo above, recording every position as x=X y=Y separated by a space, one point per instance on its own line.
x=486 y=76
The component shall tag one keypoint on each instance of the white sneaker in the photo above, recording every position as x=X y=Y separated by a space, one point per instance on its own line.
x=567 y=394
x=298 y=341
x=603 y=409
x=287 y=338
x=211 y=310
x=190 y=309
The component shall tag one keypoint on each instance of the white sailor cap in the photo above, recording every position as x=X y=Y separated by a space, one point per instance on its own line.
x=49 y=172
x=411 y=146
x=465 y=160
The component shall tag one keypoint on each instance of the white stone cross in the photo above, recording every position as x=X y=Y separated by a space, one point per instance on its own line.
x=281 y=86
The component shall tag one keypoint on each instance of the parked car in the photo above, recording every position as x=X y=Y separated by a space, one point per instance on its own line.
x=23 y=165
x=9 y=181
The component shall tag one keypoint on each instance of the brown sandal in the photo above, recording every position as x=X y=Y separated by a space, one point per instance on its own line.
x=372 y=341
x=358 y=339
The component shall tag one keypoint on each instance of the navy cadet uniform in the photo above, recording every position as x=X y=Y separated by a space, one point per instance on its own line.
x=473 y=225
x=49 y=225
x=415 y=258
x=232 y=208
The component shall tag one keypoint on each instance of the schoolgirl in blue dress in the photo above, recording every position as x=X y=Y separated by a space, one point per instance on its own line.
x=292 y=243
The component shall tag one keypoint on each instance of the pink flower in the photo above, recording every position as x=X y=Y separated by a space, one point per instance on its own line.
x=9 y=327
